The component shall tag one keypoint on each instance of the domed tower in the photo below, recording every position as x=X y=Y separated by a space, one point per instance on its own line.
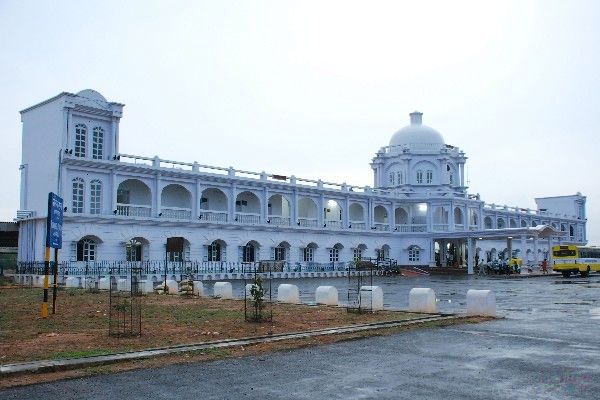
x=417 y=160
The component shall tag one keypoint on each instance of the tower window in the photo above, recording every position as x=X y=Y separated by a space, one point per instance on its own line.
x=97 y=143
x=80 y=136
x=429 y=176
x=77 y=204
x=392 y=181
x=95 y=197
x=419 y=176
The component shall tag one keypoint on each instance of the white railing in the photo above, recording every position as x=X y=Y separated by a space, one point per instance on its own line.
x=247 y=218
x=459 y=227
x=308 y=222
x=334 y=224
x=358 y=225
x=213 y=216
x=131 y=210
x=380 y=226
x=176 y=213
x=411 y=227
x=473 y=227
x=279 y=220
x=440 y=227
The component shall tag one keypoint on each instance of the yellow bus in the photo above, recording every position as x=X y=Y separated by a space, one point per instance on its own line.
x=573 y=259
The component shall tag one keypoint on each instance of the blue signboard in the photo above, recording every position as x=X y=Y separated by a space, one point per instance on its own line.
x=54 y=222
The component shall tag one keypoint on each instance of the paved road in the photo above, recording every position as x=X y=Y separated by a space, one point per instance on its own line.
x=546 y=348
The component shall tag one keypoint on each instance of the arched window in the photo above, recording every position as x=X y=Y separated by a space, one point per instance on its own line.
x=419 y=176
x=357 y=254
x=77 y=204
x=80 y=136
x=95 y=197
x=213 y=251
x=307 y=254
x=414 y=253
x=392 y=179
x=400 y=178
x=334 y=254
x=97 y=142
x=429 y=177
x=86 y=250
x=134 y=250
x=249 y=252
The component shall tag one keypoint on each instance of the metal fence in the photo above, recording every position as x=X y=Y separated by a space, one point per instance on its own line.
x=98 y=268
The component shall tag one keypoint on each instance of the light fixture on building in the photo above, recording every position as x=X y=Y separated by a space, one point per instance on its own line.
x=160 y=214
x=423 y=207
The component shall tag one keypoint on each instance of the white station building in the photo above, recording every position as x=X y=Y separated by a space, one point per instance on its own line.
x=122 y=207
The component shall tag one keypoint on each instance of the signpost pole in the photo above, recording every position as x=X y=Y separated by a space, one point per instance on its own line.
x=55 y=286
x=44 y=309
x=54 y=223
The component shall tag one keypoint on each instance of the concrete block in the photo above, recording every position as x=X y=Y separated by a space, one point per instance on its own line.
x=223 y=290
x=327 y=295
x=72 y=282
x=371 y=297
x=104 y=283
x=123 y=285
x=287 y=293
x=198 y=288
x=173 y=286
x=146 y=286
x=481 y=303
x=422 y=300
x=90 y=283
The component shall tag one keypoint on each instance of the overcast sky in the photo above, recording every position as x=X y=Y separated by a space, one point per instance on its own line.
x=315 y=88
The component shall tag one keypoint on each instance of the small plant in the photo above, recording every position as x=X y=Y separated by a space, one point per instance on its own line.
x=123 y=307
x=258 y=298
x=71 y=291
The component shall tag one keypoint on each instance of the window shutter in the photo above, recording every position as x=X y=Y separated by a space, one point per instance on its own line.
x=73 y=255
x=272 y=253
x=241 y=253
x=223 y=253
x=301 y=254
x=205 y=253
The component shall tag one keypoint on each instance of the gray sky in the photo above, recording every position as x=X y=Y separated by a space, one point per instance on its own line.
x=315 y=88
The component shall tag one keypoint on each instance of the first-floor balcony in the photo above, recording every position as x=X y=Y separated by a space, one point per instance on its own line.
x=213 y=216
x=278 y=220
x=359 y=225
x=333 y=224
x=381 y=226
x=308 y=222
x=247 y=218
x=176 y=213
x=440 y=227
x=459 y=227
x=133 y=210
x=411 y=227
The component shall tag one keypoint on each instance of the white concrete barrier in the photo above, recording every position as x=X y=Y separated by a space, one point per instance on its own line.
x=327 y=295
x=371 y=297
x=146 y=286
x=481 y=303
x=223 y=290
x=287 y=293
x=104 y=283
x=173 y=286
x=198 y=288
x=422 y=300
x=72 y=282
x=123 y=285
x=90 y=283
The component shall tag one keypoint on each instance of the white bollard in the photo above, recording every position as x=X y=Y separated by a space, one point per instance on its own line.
x=72 y=282
x=481 y=303
x=173 y=286
x=422 y=300
x=223 y=290
x=104 y=283
x=327 y=295
x=371 y=297
x=287 y=293
x=198 y=288
x=123 y=285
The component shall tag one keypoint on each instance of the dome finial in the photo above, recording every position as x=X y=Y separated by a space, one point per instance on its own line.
x=416 y=118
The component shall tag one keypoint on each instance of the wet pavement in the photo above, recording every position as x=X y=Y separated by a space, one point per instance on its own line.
x=546 y=347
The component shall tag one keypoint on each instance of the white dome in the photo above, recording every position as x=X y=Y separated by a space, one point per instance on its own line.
x=91 y=94
x=416 y=133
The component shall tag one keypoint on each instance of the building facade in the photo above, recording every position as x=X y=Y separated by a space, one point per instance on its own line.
x=122 y=207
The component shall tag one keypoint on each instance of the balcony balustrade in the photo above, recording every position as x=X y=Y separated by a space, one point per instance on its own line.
x=133 y=210
x=247 y=218
x=278 y=220
x=459 y=227
x=213 y=216
x=359 y=225
x=381 y=226
x=176 y=213
x=411 y=227
x=333 y=224
x=440 y=227
x=308 y=222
